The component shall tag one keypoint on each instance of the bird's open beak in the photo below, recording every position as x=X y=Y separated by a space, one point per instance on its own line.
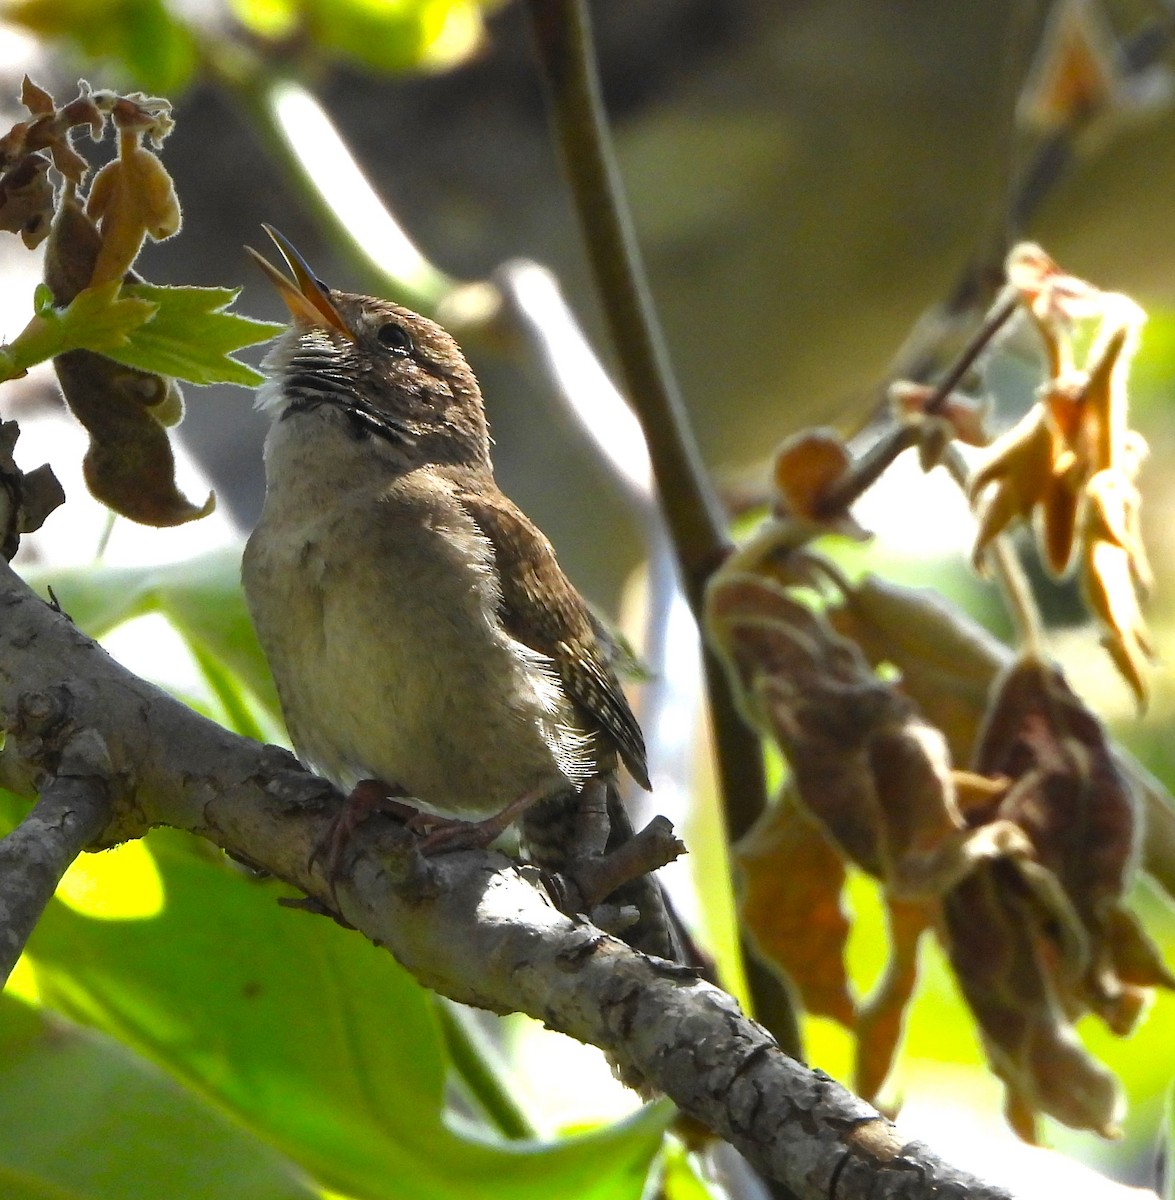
x=308 y=300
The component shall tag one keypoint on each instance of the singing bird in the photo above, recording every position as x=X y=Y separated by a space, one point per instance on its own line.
x=419 y=629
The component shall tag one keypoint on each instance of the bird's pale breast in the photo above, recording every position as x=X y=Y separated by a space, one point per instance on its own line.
x=387 y=651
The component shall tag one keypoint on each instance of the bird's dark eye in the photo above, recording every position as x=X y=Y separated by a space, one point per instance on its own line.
x=395 y=337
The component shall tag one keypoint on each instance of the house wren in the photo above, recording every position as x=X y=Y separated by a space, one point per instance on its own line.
x=419 y=628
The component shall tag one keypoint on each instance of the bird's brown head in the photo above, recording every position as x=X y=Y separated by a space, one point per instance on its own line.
x=381 y=370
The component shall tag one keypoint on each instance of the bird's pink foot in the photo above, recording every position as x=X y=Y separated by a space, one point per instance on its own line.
x=443 y=834
x=367 y=796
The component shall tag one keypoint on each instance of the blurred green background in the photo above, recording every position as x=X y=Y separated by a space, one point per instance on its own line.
x=807 y=178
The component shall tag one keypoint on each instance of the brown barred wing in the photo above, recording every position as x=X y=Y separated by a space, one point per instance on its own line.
x=542 y=609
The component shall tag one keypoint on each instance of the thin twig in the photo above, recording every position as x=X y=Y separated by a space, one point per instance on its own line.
x=694 y=514
x=1018 y=594
x=1002 y=311
x=567 y=57
x=692 y=509
x=866 y=471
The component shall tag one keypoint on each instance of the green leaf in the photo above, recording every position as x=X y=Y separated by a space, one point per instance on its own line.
x=182 y=332
x=191 y=336
x=313 y=1038
x=272 y=19
x=1150 y=377
x=680 y=1179
x=82 y=1118
x=156 y=49
x=224 y=685
x=316 y=1041
x=201 y=597
x=304 y=1031
x=16 y=1186
x=98 y=318
x=406 y=35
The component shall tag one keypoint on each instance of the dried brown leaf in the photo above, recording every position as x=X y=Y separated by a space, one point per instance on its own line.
x=946 y=660
x=879 y=1025
x=49 y=128
x=1108 y=583
x=921 y=826
x=26 y=199
x=129 y=464
x=1137 y=960
x=815 y=693
x=38 y=101
x=1019 y=468
x=1104 y=406
x=792 y=879
x=1125 y=966
x=1057 y=526
x=1039 y=935
x=1068 y=795
x=1079 y=811
x=863 y=761
x=992 y=939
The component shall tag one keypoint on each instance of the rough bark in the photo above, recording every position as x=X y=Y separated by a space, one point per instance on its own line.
x=475 y=926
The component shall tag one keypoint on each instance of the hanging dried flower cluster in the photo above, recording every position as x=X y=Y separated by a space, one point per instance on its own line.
x=1071 y=463
x=31 y=146
x=976 y=788
x=118 y=344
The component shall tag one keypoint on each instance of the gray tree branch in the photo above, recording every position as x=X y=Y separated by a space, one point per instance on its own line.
x=71 y=811
x=475 y=926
